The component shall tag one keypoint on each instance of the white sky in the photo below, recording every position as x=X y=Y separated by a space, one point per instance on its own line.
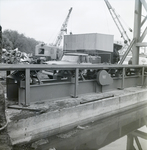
x=42 y=19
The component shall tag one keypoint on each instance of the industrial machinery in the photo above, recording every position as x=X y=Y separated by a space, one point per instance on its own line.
x=94 y=44
x=92 y=98
x=85 y=49
x=71 y=59
x=118 y=23
x=63 y=29
x=128 y=44
x=53 y=52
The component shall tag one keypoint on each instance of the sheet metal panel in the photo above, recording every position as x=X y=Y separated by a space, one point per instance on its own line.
x=49 y=92
x=91 y=41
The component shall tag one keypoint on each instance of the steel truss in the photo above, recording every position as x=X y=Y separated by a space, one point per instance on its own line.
x=133 y=136
x=138 y=38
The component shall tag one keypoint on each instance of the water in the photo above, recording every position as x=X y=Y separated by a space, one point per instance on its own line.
x=121 y=143
x=104 y=134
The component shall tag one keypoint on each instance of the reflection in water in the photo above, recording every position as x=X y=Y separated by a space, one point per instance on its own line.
x=98 y=134
x=121 y=143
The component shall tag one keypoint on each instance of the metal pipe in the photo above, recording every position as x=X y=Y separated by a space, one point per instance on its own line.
x=109 y=96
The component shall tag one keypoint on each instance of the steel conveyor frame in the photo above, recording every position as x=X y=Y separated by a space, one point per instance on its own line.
x=74 y=87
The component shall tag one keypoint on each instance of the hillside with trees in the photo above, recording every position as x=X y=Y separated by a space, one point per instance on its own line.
x=12 y=40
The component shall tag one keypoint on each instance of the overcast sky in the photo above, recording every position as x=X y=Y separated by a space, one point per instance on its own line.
x=42 y=19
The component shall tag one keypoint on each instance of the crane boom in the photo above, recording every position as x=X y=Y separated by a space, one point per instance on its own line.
x=52 y=51
x=63 y=29
x=118 y=23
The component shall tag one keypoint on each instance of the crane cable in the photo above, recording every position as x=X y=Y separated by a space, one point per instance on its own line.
x=116 y=19
x=105 y=10
x=126 y=24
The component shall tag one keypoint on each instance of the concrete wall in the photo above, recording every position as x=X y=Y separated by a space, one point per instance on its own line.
x=53 y=122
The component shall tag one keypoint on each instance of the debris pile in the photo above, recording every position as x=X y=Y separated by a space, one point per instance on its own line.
x=15 y=57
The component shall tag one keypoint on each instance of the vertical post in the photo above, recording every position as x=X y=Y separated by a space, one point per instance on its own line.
x=136 y=34
x=123 y=78
x=145 y=121
x=76 y=83
x=0 y=44
x=27 y=87
x=129 y=142
x=142 y=77
x=7 y=73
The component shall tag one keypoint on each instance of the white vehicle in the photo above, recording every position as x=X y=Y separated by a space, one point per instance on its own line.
x=70 y=59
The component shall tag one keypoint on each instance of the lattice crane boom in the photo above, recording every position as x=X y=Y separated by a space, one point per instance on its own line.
x=63 y=29
x=118 y=23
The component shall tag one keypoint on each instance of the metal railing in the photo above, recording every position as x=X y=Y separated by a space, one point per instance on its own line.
x=120 y=73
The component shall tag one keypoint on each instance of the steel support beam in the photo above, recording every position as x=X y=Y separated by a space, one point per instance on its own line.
x=130 y=142
x=143 y=35
x=138 y=143
x=136 y=35
x=76 y=83
x=123 y=78
x=143 y=44
x=27 y=87
x=143 y=78
x=143 y=21
x=140 y=134
x=144 y=4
